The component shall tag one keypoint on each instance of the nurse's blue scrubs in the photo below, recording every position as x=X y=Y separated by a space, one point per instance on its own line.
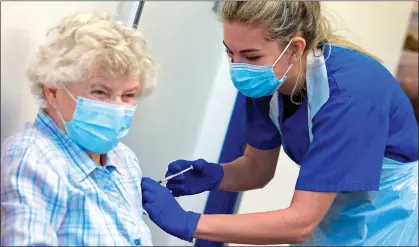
x=362 y=142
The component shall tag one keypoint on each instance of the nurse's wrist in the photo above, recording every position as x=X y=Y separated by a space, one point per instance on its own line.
x=218 y=178
x=191 y=225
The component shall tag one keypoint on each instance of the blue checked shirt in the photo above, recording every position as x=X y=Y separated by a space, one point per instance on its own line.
x=52 y=193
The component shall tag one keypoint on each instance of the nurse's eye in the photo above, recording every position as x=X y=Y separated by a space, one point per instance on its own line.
x=229 y=56
x=230 y=59
x=254 y=58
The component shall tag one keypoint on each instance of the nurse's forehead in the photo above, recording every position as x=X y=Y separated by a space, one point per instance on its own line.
x=238 y=36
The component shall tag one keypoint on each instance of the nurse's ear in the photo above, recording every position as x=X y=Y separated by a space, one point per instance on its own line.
x=297 y=48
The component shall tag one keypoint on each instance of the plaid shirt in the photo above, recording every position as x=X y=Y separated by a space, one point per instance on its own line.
x=52 y=193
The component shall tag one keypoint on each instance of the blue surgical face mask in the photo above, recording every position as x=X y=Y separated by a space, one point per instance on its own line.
x=98 y=126
x=256 y=81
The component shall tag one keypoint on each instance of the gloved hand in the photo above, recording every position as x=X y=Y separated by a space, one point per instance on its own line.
x=165 y=211
x=203 y=177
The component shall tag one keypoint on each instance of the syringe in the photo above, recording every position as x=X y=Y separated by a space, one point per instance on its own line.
x=174 y=175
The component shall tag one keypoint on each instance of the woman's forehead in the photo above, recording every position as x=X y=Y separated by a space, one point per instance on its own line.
x=238 y=36
x=114 y=82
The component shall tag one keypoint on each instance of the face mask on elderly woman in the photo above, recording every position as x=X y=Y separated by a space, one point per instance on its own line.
x=98 y=126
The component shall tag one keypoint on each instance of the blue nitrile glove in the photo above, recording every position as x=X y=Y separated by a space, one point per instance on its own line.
x=165 y=211
x=204 y=177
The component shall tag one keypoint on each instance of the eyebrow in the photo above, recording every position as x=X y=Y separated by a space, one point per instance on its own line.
x=244 y=50
x=98 y=83
x=101 y=83
x=135 y=88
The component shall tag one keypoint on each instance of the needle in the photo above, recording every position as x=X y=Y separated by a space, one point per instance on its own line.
x=174 y=175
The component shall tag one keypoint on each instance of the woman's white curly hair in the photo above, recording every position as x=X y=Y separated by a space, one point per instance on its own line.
x=87 y=41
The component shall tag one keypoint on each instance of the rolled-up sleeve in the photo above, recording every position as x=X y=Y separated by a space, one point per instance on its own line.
x=33 y=200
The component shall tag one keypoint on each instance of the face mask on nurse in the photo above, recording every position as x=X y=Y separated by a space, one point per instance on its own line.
x=255 y=81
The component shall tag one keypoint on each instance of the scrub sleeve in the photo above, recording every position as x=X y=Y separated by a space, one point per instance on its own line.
x=261 y=133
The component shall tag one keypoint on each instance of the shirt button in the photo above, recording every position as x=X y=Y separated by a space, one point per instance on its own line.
x=137 y=241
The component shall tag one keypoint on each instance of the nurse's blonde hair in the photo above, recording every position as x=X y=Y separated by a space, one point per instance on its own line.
x=285 y=20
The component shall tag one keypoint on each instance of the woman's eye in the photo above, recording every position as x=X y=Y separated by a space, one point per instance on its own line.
x=253 y=58
x=230 y=59
x=130 y=95
x=99 y=92
x=229 y=56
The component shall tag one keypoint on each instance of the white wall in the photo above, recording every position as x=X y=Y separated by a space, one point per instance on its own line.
x=377 y=26
x=367 y=24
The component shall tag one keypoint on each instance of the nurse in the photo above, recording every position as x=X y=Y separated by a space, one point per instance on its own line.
x=336 y=111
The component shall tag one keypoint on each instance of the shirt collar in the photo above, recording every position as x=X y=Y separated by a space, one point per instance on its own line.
x=111 y=160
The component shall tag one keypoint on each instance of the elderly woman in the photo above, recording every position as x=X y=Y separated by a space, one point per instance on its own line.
x=67 y=179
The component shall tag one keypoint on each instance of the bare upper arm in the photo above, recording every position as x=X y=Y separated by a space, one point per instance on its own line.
x=265 y=160
x=319 y=202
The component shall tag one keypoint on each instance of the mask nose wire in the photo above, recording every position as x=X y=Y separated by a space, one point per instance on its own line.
x=286 y=48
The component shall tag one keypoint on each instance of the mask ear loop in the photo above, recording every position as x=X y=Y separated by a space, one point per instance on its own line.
x=284 y=76
x=283 y=52
x=286 y=72
x=59 y=114
x=70 y=94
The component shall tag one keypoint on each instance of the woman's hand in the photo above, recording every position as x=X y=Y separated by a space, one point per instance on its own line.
x=165 y=211
x=203 y=177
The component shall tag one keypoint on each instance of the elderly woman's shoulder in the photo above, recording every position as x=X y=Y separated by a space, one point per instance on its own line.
x=29 y=139
x=30 y=147
x=29 y=161
x=124 y=150
x=124 y=156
